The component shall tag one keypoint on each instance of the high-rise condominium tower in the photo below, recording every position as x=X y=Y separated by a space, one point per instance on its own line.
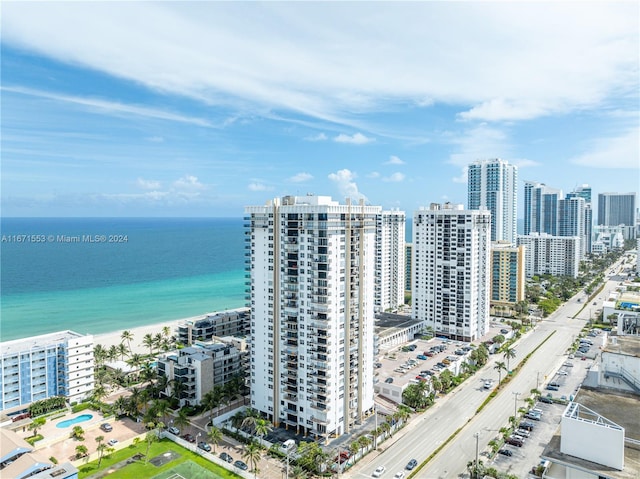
x=584 y=191
x=541 y=208
x=451 y=270
x=312 y=270
x=617 y=209
x=390 y=254
x=493 y=185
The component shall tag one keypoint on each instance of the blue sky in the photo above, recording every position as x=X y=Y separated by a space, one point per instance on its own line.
x=202 y=108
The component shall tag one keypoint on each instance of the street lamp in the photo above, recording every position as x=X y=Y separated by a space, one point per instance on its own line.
x=477 y=436
x=375 y=431
x=515 y=406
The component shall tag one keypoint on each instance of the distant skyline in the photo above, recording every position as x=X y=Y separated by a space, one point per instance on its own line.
x=202 y=108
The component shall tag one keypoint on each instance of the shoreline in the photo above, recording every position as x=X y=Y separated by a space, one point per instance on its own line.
x=113 y=338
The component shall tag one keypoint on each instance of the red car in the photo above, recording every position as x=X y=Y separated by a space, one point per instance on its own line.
x=189 y=438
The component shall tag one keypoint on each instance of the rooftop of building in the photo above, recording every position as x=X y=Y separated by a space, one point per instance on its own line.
x=618 y=408
x=388 y=323
x=33 y=342
x=627 y=345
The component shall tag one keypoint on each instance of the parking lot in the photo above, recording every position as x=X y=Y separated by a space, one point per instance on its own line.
x=569 y=376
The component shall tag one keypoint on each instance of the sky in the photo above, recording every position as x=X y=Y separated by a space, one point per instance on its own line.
x=202 y=108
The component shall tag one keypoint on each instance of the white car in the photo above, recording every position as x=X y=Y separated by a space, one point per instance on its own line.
x=379 y=471
x=562 y=372
x=399 y=475
x=112 y=442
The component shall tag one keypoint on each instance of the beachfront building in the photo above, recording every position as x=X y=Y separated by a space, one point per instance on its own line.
x=492 y=184
x=19 y=460
x=451 y=270
x=389 y=266
x=541 y=208
x=572 y=221
x=617 y=209
x=584 y=192
x=554 y=255
x=312 y=286
x=408 y=248
x=215 y=325
x=608 y=238
x=199 y=368
x=38 y=367
x=507 y=275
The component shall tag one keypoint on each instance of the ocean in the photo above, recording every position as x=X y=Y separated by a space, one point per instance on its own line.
x=98 y=275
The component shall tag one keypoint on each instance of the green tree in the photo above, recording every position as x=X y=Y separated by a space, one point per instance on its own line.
x=500 y=366
x=252 y=454
x=127 y=336
x=100 y=448
x=215 y=436
x=182 y=419
x=509 y=354
x=148 y=342
x=77 y=433
x=36 y=424
x=81 y=451
x=263 y=427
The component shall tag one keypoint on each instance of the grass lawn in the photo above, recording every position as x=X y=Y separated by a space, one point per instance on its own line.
x=139 y=469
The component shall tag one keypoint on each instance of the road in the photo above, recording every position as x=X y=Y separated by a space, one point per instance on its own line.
x=426 y=432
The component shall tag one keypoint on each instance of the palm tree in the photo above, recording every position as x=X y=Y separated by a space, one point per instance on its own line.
x=252 y=453
x=298 y=473
x=81 y=451
x=100 y=448
x=99 y=354
x=215 y=436
x=148 y=342
x=166 y=331
x=36 y=424
x=263 y=427
x=181 y=420
x=237 y=419
x=112 y=353
x=120 y=405
x=128 y=337
x=500 y=366
x=508 y=354
x=123 y=351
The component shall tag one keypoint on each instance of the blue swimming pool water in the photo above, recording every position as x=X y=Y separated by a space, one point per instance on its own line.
x=75 y=420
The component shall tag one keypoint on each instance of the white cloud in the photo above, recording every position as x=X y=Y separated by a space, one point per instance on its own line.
x=524 y=162
x=617 y=152
x=188 y=183
x=344 y=180
x=507 y=61
x=110 y=107
x=155 y=139
x=301 y=178
x=258 y=186
x=148 y=184
x=355 y=139
x=373 y=174
x=464 y=176
x=318 y=137
x=394 y=160
x=479 y=143
x=394 y=178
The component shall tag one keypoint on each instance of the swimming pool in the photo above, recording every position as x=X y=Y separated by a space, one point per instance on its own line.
x=75 y=420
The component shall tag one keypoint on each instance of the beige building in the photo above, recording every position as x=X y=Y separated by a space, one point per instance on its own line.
x=507 y=274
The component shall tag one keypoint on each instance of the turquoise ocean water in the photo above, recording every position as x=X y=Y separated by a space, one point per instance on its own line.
x=96 y=275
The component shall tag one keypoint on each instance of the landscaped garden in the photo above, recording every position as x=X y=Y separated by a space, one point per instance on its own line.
x=163 y=456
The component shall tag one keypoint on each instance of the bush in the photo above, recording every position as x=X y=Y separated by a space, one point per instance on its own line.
x=32 y=440
x=53 y=460
x=80 y=407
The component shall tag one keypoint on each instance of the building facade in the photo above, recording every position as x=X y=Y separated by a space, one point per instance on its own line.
x=493 y=185
x=408 y=248
x=451 y=274
x=572 y=220
x=390 y=254
x=201 y=367
x=507 y=274
x=541 y=208
x=312 y=272
x=228 y=323
x=617 y=209
x=554 y=255
x=35 y=368
x=584 y=192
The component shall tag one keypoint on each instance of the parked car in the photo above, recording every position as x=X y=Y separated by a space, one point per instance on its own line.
x=106 y=427
x=399 y=475
x=189 y=438
x=551 y=387
x=547 y=399
x=226 y=457
x=505 y=452
x=112 y=442
x=515 y=441
x=174 y=430
x=532 y=415
x=527 y=425
x=388 y=380
x=562 y=372
x=204 y=446
x=241 y=465
x=522 y=433
x=411 y=464
x=421 y=356
x=379 y=471
x=568 y=364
